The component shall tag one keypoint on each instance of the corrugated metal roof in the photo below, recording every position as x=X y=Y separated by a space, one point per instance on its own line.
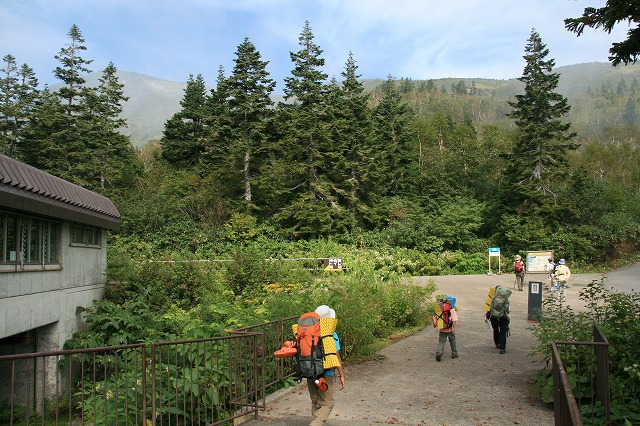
x=21 y=180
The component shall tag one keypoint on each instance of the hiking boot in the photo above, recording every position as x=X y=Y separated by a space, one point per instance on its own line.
x=454 y=355
x=502 y=351
x=438 y=356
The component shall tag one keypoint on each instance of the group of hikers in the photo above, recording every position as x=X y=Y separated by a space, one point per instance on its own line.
x=317 y=346
x=557 y=274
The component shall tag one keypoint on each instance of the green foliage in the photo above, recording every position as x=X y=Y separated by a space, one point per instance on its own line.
x=536 y=167
x=616 y=314
x=110 y=324
x=402 y=305
x=401 y=262
x=55 y=413
x=607 y=17
x=161 y=283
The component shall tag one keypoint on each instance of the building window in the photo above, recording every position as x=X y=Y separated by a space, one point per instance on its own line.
x=86 y=236
x=28 y=241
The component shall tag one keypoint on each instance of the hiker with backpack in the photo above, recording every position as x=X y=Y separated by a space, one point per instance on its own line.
x=562 y=276
x=317 y=357
x=446 y=319
x=520 y=270
x=550 y=267
x=498 y=314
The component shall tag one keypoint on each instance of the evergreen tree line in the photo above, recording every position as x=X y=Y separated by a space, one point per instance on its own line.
x=73 y=132
x=393 y=166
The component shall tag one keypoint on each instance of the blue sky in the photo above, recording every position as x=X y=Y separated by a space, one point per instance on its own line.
x=418 y=39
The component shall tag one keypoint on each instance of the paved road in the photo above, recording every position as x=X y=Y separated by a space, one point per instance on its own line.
x=481 y=388
x=408 y=387
x=624 y=279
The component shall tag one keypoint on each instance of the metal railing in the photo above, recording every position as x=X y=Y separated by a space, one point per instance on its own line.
x=589 y=384
x=274 y=333
x=193 y=382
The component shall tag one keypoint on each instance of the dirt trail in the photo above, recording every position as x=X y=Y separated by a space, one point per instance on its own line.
x=410 y=387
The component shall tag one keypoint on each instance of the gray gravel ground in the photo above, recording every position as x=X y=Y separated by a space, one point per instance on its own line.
x=409 y=387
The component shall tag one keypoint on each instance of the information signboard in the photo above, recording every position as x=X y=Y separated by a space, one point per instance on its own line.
x=537 y=261
x=333 y=264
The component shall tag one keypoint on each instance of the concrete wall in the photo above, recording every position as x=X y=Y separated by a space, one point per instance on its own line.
x=43 y=305
x=34 y=299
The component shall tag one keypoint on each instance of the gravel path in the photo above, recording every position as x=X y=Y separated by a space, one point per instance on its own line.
x=409 y=387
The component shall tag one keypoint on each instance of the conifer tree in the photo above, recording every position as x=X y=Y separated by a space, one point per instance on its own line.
x=216 y=151
x=306 y=84
x=309 y=204
x=351 y=155
x=249 y=90
x=18 y=92
x=538 y=162
x=112 y=163
x=72 y=70
x=393 y=152
x=64 y=138
x=185 y=133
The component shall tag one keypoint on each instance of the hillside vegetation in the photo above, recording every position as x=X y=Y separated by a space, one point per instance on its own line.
x=153 y=101
x=226 y=215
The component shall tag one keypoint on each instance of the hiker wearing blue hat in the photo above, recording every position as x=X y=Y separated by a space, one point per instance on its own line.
x=445 y=319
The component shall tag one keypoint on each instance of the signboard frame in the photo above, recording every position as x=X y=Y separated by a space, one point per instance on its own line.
x=537 y=261
x=494 y=252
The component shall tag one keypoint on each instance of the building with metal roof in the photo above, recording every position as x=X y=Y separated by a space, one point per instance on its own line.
x=53 y=256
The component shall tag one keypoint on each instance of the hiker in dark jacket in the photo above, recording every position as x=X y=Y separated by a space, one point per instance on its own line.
x=499 y=317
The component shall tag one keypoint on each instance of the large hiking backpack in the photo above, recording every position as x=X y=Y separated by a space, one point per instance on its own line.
x=500 y=302
x=442 y=318
x=310 y=354
x=518 y=266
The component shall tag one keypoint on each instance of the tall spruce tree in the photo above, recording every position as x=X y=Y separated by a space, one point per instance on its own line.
x=394 y=135
x=185 y=133
x=18 y=92
x=72 y=70
x=538 y=164
x=249 y=90
x=64 y=138
x=351 y=155
x=309 y=202
x=113 y=160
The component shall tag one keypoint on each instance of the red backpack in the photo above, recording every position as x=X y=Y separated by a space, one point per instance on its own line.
x=518 y=266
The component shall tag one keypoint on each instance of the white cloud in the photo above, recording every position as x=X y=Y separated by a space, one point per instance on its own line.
x=406 y=38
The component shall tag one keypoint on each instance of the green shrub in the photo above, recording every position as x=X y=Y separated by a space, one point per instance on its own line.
x=617 y=315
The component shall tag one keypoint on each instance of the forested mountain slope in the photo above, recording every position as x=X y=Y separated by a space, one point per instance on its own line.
x=600 y=95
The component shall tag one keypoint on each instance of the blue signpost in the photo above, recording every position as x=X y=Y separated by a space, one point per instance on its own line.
x=493 y=252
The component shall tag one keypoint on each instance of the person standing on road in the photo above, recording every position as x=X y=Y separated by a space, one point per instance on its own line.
x=449 y=319
x=551 y=269
x=322 y=402
x=563 y=273
x=499 y=316
x=519 y=269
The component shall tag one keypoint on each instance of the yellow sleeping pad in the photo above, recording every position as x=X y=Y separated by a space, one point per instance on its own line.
x=487 y=301
x=327 y=327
